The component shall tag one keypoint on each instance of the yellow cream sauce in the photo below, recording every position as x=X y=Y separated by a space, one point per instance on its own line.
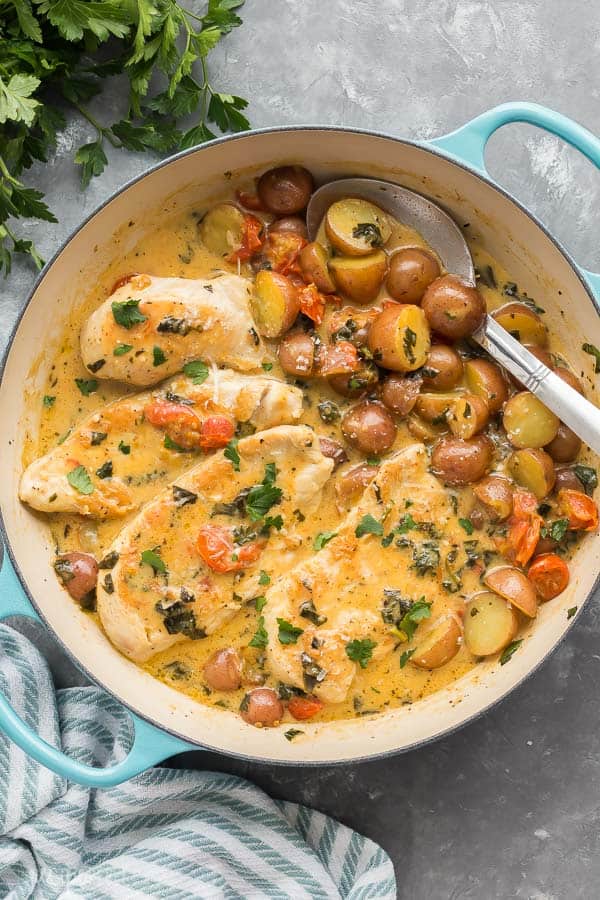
x=173 y=249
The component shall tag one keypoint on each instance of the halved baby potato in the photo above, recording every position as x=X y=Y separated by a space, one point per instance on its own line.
x=221 y=229
x=468 y=416
x=514 y=586
x=490 y=624
x=485 y=379
x=356 y=227
x=435 y=408
x=424 y=431
x=359 y=277
x=523 y=323
x=495 y=493
x=399 y=338
x=274 y=303
x=313 y=263
x=527 y=422
x=439 y=645
x=533 y=469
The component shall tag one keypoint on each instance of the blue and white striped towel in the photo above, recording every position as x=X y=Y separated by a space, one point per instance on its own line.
x=168 y=833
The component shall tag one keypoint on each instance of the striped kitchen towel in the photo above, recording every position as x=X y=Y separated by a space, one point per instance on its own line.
x=168 y=833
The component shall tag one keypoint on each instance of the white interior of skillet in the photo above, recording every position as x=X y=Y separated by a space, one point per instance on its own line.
x=529 y=255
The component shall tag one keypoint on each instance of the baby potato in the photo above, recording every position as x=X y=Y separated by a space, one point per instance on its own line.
x=490 y=624
x=369 y=427
x=565 y=446
x=411 y=272
x=454 y=308
x=443 y=368
x=399 y=338
x=399 y=393
x=523 y=323
x=297 y=354
x=514 y=586
x=285 y=190
x=223 y=670
x=439 y=645
x=533 y=469
x=424 y=431
x=359 y=278
x=468 y=416
x=78 y=573
x=363 y=379
x=313 y=263
x=435 y=408
x=356 y=227
x=350 y=485
x=274 y=303
x=568 y=377
x=495 y=493
x=351 y=324
x=456 y=461
x=527 y=422
x=485 y=379
x=566 y=480
x=221 y=229
x=262 y=707
x=290 y=225
x=333 y=450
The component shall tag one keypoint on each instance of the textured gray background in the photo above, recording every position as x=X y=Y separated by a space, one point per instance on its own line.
x=508 y=807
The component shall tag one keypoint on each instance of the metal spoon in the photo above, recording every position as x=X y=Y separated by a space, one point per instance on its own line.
x=444 y=235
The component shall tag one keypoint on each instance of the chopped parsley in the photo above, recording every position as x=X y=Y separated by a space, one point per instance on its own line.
x=79 y=479
x=370 y=232
x=267 y=366
x=323 y=538
x=555 y=530
x=418 y=611
x=409 y=342
x=122 y=349
x=368 y=525
x=288 y=633
x=152 y=558
x=360 y=651
x=593 y=351
x=264 y=578
x=87 y=386
x=197 y=371
x=97 y=437
x=262 y=497
x=291 y=733
x=169 y=444
x=48 y=401
x=124 y=448
x=105 y=470
x=328 y=411
x=571 y=612
x=127 y=313
x=182 y=497
x=231 y=453
x=260 y=603
x=404 y=658
x=308 y=611
x=588 y=477
x=260 y=638
x=467 y=525
x=510 y=651
x=158 y=357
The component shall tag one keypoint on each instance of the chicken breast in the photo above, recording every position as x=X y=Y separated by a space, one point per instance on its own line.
x=129 y=450
x=412 y=548
x=190 y=559
x=167 y=322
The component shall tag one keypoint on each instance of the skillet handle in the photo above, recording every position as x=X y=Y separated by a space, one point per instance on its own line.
x=150 y=744
x=468 y=142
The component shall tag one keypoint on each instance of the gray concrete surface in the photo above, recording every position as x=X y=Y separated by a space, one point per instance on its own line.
x=509 y=806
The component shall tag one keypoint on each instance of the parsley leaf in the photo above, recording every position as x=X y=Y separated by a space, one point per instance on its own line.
x=588 y=477
x=197 y=371
x=48 y=401
x=571 y=612
x=158 y=357
x=92 y=159
x=408 y=624
x=87 y=386
x=262 y=497
x=323 y=538
x=232 y=454
x=124 y=448
x=288 y=633
x=127 y=313
x=79 y=479
x=360 y=651
x=152 y=558
x=264 y=578
x=291 y=733
x=404 y=658
x=593 y=351
x=509 y=651
x=368 y=525
x=467 y=525
x=122 y=349
x=261 y=635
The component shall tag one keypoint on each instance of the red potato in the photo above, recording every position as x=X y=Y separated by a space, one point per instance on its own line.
x=454 y=308
x=365 y=378
x=351 y=485
x=78 y=572
x=495 y=493
x=285 y=190
x=566 y=479
x=400 y=393
x=443 y=368
x=369 y=427
x=289 y=225
x=356 y=227
x=523 y=323
x=274 y=304
x=456 y=461
x=527 y=422
x=297 y=354
x=439 y=645
x=411 y=271
x=223 y=670
x=262 y=707
x=514 y=586
x=313 y=264
x=333 y=450
x=533 y=469
x=359 y=277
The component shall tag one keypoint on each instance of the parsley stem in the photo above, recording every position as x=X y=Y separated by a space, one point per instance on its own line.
x=102 y=131
x=6 y=173
x=189 y=13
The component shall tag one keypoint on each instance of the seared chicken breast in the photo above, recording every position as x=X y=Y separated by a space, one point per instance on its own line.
x=402 y=538
x=167 y=322
x=188 y=561
x=121 y=455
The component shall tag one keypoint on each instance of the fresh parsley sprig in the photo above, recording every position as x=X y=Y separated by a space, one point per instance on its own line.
x=52 y=57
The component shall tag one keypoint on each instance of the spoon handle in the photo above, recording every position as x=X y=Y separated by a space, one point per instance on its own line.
x=571 y=408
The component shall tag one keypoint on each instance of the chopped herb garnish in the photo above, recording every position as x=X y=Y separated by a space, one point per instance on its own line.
x=109 y=561
x=124 y=448
x=267 y=366
x=231 y=453
x=409 y=342
x=152 y=558
x=467 y=525
x=328 y=411
x=588 y=477
x=509 y=651
x=288 y=633
x=395 y=607
x=197 y=371
x=79 y=479
x=555 y=530
x=262 y=497
x=426 y=558
x=409 y=623
x=172 y=325
x=63 y=437
x=170 y=444
x=127 y=313
x=323 y=538
x=97 y=437
x=291 y=733
x=260 y=603
x=158 y=357
x=360 y=651
x=405 y=657
x=593 y=351
x=373 y=460
x=122 y=349
x=368 y=525
x=264 y=578
x=48 y=401
x=109 y=586
x=87 y=386
x=571 y=612
x=182 y=497
x=96 y=366
x=260 y=638
x=370 y=232
x=308 y=611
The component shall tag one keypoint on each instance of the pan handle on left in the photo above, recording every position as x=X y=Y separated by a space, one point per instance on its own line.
x=151 y=745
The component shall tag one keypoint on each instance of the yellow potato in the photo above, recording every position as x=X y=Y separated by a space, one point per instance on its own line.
x=274 y=304
x=514 y=586
x=527 y=422
x=523 y=323
x=399 y=338
x=490 y=624
x=439 y=645
x=469 y=415
x=485 y=379
x=533 y=470
x=359 y=277
x=221 y=229
x=356 y=227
